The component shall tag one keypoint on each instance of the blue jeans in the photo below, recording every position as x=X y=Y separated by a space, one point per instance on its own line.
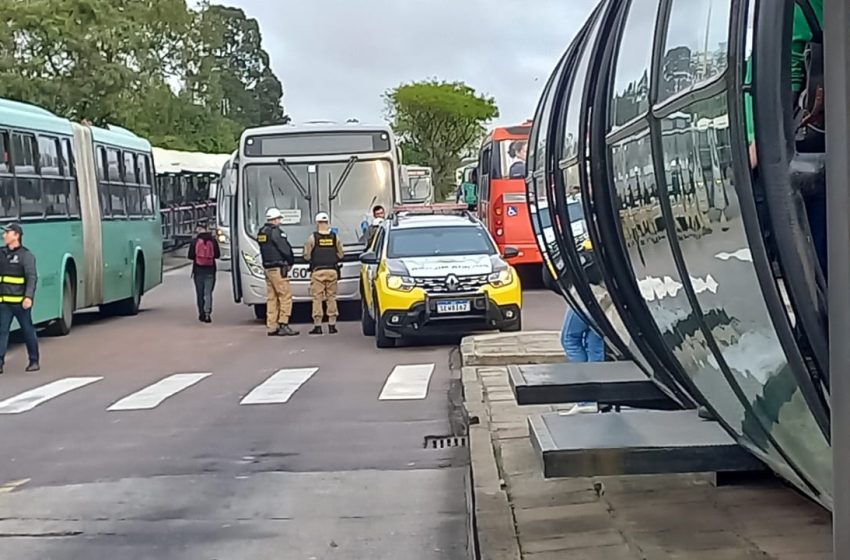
x=9 y=311
x=580 y=342
x=204 y=286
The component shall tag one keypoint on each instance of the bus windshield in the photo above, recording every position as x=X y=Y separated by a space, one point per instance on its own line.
x=513 y=155
x=300 y=190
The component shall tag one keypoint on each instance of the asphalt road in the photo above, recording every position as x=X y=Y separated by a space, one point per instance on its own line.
x=222 y=443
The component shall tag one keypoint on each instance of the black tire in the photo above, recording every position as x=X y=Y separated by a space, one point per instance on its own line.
x=381 y=338
x=131 y=306
x=62 y=326
x=367 y=323
x=260 y=311
x=548 y=281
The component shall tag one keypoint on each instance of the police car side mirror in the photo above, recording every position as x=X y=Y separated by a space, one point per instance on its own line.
x=511 y=252
x=369 y=258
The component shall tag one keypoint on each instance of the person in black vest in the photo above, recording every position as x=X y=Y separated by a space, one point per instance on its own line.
x=203 y=252
x=324 y=252
x=276 y=253
x=18 y=278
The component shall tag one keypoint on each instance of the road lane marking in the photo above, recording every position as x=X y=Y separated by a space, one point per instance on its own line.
x=279 y=387
x=34 y=397
x=408 y=382
x=154 y=395
x=13 y=485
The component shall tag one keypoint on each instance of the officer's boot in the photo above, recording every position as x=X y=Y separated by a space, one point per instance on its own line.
x=316 y=330
x=332 y=329
x=285 y=330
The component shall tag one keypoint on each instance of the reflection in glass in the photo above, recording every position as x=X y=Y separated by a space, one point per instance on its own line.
x=570 y=149
x=631 y=82
x=710 y=231
x=661 y=285
x=696 y=46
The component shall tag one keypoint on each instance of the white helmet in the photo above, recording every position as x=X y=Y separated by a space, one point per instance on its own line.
x=273 y=214
x=322 y=217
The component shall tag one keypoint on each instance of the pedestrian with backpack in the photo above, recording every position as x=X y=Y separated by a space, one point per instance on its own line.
x=203 y=252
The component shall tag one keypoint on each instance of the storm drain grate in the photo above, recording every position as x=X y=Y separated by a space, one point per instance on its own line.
x=444 y=442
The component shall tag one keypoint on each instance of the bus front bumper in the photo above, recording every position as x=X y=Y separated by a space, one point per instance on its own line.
x=348 y=289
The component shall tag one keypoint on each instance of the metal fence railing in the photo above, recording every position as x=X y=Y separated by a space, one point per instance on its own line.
x=179 y=222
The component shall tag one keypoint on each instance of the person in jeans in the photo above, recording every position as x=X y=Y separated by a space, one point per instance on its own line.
x=581 y=344
x=203 y=252
x=17 y=291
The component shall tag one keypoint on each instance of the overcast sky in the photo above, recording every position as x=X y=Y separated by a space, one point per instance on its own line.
x=337 y=57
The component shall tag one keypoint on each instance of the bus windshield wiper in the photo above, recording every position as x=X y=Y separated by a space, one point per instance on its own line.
x=345 y=173
x=292 y=177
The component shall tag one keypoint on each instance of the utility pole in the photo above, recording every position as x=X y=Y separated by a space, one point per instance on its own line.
x=837 y=91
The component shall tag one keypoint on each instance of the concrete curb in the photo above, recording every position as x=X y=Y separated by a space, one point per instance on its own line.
x=512 y=348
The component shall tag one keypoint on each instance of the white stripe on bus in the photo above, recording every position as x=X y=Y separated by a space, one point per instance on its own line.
x=408 y=382
x=279 y=387
x=34 y=397
x=154 y=395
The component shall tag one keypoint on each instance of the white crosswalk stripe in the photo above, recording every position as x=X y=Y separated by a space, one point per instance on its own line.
x=407 y=382
x=30 y=399
x=279 y=387
x=153 y=395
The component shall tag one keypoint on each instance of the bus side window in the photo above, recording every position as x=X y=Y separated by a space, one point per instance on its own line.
x=145 y=185
x=8 y=199
x=24 y=153
x=102 y=184
x=131 y=185
x=69 y=170
x=54 y=185
x=117 y=196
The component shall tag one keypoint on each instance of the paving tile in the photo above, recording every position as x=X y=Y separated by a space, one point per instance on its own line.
x=614 y=552
x=590 y=539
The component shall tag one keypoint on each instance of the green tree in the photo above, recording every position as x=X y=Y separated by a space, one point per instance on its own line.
x=185 y=79
x=232 y=70
x=437 y=122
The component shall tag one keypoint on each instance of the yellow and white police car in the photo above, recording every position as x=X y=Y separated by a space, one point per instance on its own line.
x=436 y=269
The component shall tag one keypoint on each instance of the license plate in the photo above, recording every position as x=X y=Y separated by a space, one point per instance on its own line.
x=453 y=306
x=300 y=272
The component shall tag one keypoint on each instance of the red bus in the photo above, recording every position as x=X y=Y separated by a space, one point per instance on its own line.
x=502 y=202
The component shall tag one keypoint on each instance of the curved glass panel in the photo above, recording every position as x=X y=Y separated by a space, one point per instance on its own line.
x=710 y=231
x=631 y=79
x=696 y=46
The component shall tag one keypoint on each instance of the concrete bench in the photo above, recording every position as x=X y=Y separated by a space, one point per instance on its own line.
x=634 y=443
x=614 y=383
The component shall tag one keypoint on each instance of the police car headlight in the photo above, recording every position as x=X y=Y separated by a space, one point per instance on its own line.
x=501 y=278
x=253 y=264
x=400 y=283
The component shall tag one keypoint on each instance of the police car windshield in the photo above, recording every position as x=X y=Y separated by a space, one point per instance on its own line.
x=439 y=242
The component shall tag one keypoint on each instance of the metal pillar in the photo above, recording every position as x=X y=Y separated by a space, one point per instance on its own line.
x=837 y=53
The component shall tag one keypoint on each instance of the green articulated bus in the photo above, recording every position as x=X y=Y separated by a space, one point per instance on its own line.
x=85 y=198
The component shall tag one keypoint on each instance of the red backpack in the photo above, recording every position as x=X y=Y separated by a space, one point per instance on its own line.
x=204 y=252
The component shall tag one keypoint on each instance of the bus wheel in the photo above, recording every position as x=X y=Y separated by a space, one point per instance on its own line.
x=260 y=312
x=132 y=304
x=62 y=325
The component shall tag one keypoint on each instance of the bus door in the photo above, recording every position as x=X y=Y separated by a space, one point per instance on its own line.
x=484 y=178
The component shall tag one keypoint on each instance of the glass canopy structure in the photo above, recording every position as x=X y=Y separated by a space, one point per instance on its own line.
x=676 y=124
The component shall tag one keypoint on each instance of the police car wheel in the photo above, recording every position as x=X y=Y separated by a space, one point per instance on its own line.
x=367 y=323
x=381 y=338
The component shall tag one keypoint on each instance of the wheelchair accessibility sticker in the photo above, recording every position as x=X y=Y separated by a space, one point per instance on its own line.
x=512 y=211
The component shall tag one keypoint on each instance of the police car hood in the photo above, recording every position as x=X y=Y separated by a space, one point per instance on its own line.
x=462 y=265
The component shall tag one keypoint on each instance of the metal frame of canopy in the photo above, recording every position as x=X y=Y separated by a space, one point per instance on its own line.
x=837 y=53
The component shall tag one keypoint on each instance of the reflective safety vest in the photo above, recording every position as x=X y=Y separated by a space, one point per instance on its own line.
x=324 y=255
x=12 y=280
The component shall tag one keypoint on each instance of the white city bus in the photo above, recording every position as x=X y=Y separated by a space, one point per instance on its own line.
x=419 y=188
x=342 y=169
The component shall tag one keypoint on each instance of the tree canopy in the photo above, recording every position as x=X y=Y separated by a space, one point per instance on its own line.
x=438 y=123
x=185 y=79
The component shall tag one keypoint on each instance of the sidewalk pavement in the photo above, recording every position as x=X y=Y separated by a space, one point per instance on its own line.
x=687 y=517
